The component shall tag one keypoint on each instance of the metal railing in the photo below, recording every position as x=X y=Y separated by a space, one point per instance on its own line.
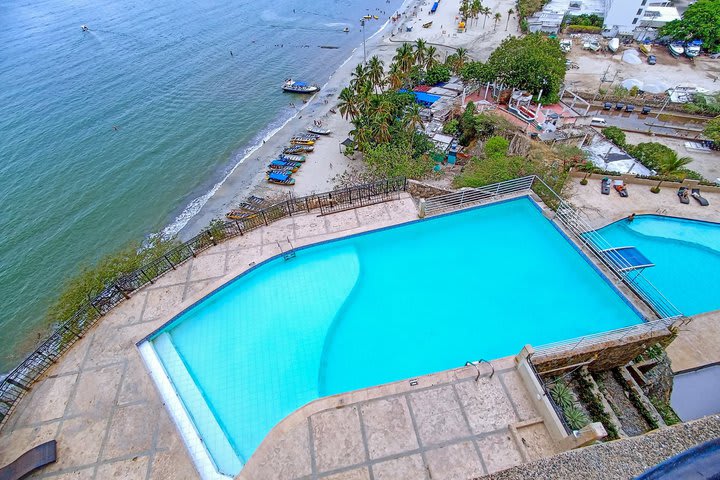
x=477 y=196
x=556 y=408
x=19 y=380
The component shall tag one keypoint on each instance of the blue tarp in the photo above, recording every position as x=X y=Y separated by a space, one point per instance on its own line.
x=434 y=7
x=422 y=98
x=280 y=177
x=299 y=84
x=627 y=258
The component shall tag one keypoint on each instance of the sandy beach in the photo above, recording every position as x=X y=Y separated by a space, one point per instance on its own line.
x=327 y=161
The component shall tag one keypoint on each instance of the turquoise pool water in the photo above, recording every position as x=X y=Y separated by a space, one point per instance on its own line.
x=686 y=254
x=375 y=308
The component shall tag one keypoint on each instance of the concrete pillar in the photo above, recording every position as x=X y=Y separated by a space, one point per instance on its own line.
x=421 y=208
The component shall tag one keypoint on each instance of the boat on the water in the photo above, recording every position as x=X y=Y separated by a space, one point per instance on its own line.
x=291 y=157
x=280 y=178
x=427 y=25
x=693 y=48
x=646 y=47
x=319 y=130
x=299 y=87
x=614 y=44
x=676 y=49
x=84 y=28
x=367 y=17
x=346 y=29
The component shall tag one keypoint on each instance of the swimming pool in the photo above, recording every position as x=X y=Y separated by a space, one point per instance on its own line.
x=686 y=254
x=374 y=308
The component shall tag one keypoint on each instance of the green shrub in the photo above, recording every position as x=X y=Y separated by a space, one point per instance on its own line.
x=615 y=135
x=575 y=417
x=665 y=411
x=583 y=29
x=452 y=127
x=496 y=147
x=562 y=395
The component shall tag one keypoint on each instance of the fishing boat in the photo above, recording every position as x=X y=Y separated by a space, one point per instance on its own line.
x=427 y=25
x=693 y=48
x=591 y=45
x=367 y=17
x=280 y=178
x=284 y=165
x=308 y=136
x=646 y=47
x=319 y=130
x=566 y=45
x=84 y=28
x=292 y=158
x=676 y=49
x=375 y=17
x=614 y=44
x=297 y=149
x=346 y=29
x=299 y=87
x=301 y=141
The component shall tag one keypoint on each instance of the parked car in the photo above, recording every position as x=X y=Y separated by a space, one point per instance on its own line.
x=652 y=60
x=715 y=55
x=607 y=106
x=629 y=108
x=646 y=110
x=619 y=106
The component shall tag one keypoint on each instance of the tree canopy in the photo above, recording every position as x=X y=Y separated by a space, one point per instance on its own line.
x=700 y=21
x=534 y=63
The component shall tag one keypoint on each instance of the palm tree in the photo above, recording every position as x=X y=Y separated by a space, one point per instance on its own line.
x=430 y=57
x=510 y=12
x=462 y=57
x=404 y=58
x=475 y=9
x=497 y=18
x=485 y=12
x=394 y=77
x=348 y=104
x=375 y=72
x=669 y=166
x=413 y=120
x=420 y=49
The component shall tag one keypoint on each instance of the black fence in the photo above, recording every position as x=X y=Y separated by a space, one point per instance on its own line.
x=19 y=381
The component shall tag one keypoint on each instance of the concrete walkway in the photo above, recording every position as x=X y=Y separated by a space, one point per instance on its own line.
x=445 y=426
x=100 y=403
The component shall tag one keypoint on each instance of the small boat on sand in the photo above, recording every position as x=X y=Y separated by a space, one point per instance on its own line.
x=298 y=149
x=306 y=136
x=693 y=48
x=646 y=47
x=292 y=158
x=280 y=178
x=614 y=44
x=284 y=165
x=302 y=141
x=319 y=130
x=427 y=25
x=676 y=49
x=299 y=87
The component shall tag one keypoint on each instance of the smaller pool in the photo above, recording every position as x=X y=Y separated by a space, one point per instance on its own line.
x=686 y=254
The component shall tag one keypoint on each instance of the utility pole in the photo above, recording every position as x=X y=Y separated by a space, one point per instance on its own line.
x=362 y=24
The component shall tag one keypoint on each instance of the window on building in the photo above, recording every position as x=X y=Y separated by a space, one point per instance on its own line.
x=644 y=2
x=639 y=11
x=635 y=21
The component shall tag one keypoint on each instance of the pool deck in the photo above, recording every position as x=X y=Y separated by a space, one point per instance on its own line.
x=442 y=426
x=601 y=210
x=696 y=344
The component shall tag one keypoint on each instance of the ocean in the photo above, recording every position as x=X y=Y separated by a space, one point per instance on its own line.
x=115 y=133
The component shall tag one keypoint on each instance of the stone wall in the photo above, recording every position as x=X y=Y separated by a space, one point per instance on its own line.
x=602 y=356
x=424 y=190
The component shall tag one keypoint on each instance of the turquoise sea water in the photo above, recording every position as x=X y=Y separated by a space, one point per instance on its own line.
x=71 y=187
x=686 y=254
x=376 y=308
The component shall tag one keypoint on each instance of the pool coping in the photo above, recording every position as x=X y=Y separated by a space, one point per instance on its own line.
x=201 y=456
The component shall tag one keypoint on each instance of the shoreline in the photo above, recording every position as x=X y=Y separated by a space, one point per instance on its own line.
x=247 y=176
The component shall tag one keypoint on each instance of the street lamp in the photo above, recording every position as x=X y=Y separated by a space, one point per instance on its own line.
x=362 y=24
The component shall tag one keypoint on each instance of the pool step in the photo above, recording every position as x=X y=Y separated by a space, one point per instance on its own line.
x=287 y=254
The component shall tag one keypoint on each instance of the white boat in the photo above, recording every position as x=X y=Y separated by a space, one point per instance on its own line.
x=614 y=44
x=318 y=130
x=591 y=45
x=566 y=45
x=693 y=48
x=299 y=87
x=84 y=28
x=676 y=49
x=346 y=29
